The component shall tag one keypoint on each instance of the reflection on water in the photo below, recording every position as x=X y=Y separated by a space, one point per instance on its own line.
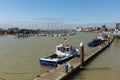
x=105 y=68
x=117 y=43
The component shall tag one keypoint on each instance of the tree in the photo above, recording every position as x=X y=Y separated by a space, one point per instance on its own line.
x=98 y=28
x=104 y=28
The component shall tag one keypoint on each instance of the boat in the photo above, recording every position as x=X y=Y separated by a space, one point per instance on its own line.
x=116 y=34
x=103 y=37
x=95 y=43
x=98 y=40
x=64 y=53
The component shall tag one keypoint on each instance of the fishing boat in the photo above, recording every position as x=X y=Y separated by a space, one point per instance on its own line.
x=64 y=53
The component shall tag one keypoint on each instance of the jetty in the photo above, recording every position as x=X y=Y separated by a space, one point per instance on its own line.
x=77 y=64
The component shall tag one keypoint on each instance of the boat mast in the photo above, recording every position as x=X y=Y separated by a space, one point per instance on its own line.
x=65 y=40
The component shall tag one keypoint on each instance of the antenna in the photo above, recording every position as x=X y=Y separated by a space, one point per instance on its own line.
x=65 y=40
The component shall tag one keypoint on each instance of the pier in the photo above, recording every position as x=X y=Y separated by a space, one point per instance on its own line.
x=59 y=73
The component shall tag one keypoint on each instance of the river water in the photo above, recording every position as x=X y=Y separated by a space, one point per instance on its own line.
x=19 y=58
x=105 y=66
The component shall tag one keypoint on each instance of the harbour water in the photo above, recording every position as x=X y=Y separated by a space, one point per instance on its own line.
x=106 y=66
x=19 y=58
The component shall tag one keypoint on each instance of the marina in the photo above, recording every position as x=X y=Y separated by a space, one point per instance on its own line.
x=76 y=63
x=17 y=55
x=59 y=40
x=19 y=65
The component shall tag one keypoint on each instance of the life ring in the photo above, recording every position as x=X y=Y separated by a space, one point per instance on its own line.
x=62 y=49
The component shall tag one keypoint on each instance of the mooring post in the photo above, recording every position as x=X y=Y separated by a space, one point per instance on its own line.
x=82 y=54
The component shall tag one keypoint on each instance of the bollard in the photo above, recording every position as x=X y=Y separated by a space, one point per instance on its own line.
x=82 y=54
x=66 y=68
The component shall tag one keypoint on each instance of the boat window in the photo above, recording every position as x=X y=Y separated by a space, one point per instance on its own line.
x=71 y=48
x=67 y=49
x=58 y=48
x=62 y=49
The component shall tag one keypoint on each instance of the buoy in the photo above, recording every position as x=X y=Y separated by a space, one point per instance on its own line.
x=58 y=65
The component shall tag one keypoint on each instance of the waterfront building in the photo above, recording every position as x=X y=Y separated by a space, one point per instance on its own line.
x=84 y=29
x=13 y=30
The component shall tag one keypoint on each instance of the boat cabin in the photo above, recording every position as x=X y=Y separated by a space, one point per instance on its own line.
x=64 y=50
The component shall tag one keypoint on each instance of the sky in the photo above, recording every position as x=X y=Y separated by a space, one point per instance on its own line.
x=62 y=11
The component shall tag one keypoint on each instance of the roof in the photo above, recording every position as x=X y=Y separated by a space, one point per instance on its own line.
x=63 y=45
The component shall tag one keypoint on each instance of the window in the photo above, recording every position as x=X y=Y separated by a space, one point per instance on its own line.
x=58 y=48
x=67 y=49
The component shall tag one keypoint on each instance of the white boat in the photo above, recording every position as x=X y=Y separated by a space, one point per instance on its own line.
x=64 y=53
x=103 y=37
x=116 y=33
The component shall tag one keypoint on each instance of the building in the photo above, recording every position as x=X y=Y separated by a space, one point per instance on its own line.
x=13 y=30
x=84 y=29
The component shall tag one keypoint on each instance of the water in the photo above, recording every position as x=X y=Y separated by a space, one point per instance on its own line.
x=19 y=58
x=104 y=67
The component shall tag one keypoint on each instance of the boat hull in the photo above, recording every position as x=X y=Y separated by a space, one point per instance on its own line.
x=48 y=63
x=95 y=43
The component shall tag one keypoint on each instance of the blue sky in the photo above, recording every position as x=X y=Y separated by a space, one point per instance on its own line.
x=68 y=11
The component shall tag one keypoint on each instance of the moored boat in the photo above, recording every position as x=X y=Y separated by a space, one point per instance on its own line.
x=117 y=31
x=95 y=43
x=116 y=34
x=64 y=53
x=103 y=37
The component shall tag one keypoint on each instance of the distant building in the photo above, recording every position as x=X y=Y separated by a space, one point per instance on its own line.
x=84 y=29
x=2 y=31
x=79 y=29
x=13 y=30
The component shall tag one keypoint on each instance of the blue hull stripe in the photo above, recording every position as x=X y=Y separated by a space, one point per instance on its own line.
x=53 y=63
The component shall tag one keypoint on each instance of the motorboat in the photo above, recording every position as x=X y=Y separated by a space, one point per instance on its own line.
x=95 y=43
x=63 y=53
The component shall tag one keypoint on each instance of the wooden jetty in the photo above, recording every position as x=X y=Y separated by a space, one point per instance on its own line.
x=59 y=72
